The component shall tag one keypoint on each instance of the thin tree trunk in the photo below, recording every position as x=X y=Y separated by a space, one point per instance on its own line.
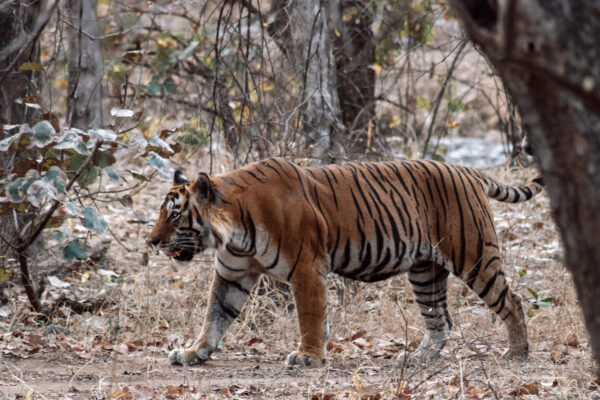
x=547 y=53
x=86 y=67
x=310 y=52
x=18 y=20
x=354 y=51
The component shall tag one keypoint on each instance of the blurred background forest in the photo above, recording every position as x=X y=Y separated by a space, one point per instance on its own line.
x=101 y=99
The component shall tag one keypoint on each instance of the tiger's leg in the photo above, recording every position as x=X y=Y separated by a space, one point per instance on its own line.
x=310 y=294
x=489 y=282
x=226 y=301
x=430 y=282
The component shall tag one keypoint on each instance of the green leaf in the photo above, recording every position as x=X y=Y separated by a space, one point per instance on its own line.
x=6 y=143
x=73 y=141
x=88 y=176
x=107 y=135
x=74 y=250
x=157 y=142
x=73 y=209
x=138 y=176
x=153 y=87
x=423 y=103
x=57 y=178
x=533 y=293
x=42 y=133
x=113 y=175
x=170 y=86
x=160 y=164
x=12 y=190
x=92 y=220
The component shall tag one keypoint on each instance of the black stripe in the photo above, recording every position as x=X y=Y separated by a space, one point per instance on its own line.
x=324 y=170
x=252 y=174
x=274 y=264
x=233 y=283
x=474 y=272
x=360 y=190
x=231 y=312
x=295 y=262
x=500 y=299
x=228 y=267
x=260 y=171
x=272 y=168
x=443 y=274
x=488 y=285
x=358 y=207
x=461 y=261
x=346 y=259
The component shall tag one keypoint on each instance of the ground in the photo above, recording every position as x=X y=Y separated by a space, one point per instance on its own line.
x=120 y=351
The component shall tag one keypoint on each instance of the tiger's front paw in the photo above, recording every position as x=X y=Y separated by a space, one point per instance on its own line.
x=185 y=357
x=303 y=359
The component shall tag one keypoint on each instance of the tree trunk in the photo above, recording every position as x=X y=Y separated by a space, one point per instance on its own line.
x=354 y=51
x=310 y=52
x=547 y=53
x=17 y=19
x=86 y=66
x=17 y=87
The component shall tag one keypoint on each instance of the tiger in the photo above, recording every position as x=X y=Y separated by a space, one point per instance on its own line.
x=364 y=221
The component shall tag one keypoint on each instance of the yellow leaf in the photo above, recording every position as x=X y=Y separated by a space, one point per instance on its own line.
x=70 y=222
x=85 y=277
x=395 y=122
x=453 y=124
x=61 y=83
x=375 y=67
x=167 y=42
x=337 y=33
x=267 y=87
x=102 y=8
x=4 y=275
x=31 y=66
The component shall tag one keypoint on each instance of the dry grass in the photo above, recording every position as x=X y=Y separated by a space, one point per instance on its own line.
x=160 y=306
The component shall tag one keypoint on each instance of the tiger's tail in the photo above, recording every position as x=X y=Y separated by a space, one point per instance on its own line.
x=514 y=194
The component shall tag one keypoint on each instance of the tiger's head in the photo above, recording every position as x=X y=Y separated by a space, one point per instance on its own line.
x=190 y=220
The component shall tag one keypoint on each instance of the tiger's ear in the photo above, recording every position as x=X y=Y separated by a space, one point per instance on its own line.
x=179 y=178
x=203 y=188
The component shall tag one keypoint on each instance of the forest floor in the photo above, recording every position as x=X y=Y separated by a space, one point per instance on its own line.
x=120 y=352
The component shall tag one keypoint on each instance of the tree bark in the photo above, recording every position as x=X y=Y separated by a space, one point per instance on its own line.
x=354 y=51
x=547 y=53
x=18 y=20
x=86 y=66
x=310 y=52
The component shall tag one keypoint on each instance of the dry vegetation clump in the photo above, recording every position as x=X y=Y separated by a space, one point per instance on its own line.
x=120 y=352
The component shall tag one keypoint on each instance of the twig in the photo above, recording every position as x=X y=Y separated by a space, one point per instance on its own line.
x=441 y=95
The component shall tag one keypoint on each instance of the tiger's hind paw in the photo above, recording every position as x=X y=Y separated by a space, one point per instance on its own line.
x=185 y=357
x=303 y=359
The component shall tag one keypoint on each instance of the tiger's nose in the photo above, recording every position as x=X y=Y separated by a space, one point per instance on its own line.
x=152 y=242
